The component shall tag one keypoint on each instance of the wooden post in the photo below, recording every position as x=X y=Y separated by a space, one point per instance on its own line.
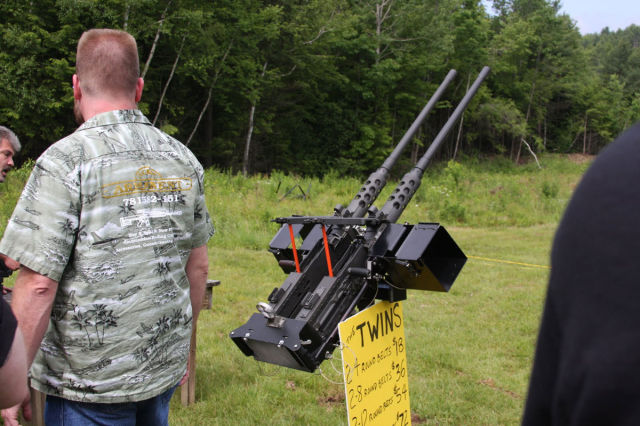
x=188 y=390
x=37 y=409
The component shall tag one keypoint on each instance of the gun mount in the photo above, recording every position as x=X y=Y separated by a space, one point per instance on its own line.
x=349 y=259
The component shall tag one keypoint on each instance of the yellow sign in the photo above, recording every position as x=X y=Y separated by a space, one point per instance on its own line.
x=374 y=364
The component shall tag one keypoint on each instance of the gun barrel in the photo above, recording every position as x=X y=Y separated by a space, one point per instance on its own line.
x=393 y=157
x=435 y=145
x=410 y=182
x=378 y=179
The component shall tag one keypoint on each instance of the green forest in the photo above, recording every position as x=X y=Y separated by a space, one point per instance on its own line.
x=315 y=86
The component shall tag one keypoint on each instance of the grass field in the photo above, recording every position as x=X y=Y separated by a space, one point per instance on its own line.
x=469 y=350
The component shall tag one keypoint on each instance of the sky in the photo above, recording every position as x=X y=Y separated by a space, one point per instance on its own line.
x=591 y=16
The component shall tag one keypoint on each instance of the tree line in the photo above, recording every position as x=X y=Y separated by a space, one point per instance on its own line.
x=311 y=86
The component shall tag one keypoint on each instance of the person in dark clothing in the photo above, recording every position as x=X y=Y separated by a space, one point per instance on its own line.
x=9 y=146
x=588 y=351
x=13 y=360
x=8 y=325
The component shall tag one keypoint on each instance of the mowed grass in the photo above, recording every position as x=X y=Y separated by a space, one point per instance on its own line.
x=469 y=350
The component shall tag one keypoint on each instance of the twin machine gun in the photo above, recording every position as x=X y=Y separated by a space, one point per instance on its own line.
x=349 y=259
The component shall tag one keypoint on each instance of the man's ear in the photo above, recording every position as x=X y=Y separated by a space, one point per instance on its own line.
x=77 y=93
x=139 y=87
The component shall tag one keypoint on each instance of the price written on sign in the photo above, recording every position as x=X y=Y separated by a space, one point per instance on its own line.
x=374 y=364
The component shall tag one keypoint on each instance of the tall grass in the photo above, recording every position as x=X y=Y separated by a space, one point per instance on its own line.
x=469 y=350
x=469 y=193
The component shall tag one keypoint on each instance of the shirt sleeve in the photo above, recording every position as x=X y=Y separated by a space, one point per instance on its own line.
x=42 y=230
x=203 y=228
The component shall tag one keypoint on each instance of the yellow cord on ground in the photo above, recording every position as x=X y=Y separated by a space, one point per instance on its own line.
x=509 y=262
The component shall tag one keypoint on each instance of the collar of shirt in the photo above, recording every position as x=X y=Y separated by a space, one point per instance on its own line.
x=115 y=117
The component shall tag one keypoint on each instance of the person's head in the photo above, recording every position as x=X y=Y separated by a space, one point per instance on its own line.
x=9 y=145
x=107 y=72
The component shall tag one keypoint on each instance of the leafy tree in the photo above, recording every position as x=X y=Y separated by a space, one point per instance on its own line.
x=310 y=86
x=532 y=56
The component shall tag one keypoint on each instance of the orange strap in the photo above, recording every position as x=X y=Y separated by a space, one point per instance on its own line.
x=295 y=251
x=326 y=250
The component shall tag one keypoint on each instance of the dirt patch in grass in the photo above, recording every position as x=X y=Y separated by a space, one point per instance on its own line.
x=580 y=158
x=490 y=383
x=417 y=419
x=335 y=397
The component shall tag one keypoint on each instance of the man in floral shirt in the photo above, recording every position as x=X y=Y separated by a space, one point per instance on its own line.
x=111 y=231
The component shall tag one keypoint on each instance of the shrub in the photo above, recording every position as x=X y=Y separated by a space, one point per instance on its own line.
x=550 y=189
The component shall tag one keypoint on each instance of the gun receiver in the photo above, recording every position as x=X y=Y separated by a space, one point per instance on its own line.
x=347 y=260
